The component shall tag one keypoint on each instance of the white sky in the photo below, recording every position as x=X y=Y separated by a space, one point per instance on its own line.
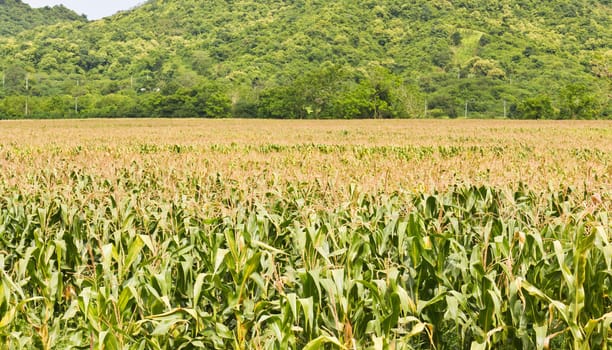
x=94 y=9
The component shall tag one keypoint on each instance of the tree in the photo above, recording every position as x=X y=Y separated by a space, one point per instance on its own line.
x=280 y=102
x=577 y=102
x=211 y=101
x=442 y=105
x=456 y=38
x=14 y=80
x=538 y=107
x=316 y=89
x=353 y=101
x=387 y=96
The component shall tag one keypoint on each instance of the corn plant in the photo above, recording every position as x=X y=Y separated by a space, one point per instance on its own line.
x=90 y=263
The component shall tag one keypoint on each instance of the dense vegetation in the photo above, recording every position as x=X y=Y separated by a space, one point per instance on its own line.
x=318 y=59
x=16 y=17
x=472 y=268
x=199 y=234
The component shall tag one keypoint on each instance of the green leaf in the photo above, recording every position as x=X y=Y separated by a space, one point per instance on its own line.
x=319 y=342
x=148 y=242
x=107 y=251
x=133 y=252
x=219 y=257
x=308 y=307
x=292 y=300
x=197 y=288
x=8 y=318
x=163 y=327
x=478 y=346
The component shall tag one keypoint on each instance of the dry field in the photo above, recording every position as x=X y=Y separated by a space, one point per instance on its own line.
x=258 y=234
x=390 y=155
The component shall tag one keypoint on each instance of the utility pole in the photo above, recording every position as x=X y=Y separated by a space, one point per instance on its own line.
x=505 y=111
x=425 y=116
x=466 y=109
x=76 y=99
x=27 y=94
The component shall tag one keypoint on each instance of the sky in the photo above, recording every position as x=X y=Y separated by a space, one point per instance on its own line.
x=94 y=9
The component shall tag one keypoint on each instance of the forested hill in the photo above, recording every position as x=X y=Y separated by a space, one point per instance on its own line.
x=319 y=59
x=16 y=16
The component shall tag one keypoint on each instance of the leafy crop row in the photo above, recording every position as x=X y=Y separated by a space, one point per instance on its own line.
x=102 y=266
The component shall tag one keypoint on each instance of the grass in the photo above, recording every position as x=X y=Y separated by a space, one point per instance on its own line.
x=468 y=47
x=299 y=234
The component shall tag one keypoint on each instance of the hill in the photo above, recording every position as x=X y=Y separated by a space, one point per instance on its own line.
x=319 y=59
x=16 y=16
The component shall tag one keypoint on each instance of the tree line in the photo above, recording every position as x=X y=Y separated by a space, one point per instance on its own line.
x=329 y=91
x=316 y=59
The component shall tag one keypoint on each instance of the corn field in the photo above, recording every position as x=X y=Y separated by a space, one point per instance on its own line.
x=216 y=235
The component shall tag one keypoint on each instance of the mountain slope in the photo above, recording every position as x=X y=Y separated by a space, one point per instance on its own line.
x=341 y=58
x=16 y=16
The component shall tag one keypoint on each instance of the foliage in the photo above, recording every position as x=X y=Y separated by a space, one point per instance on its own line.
x=468 y=268
x=274 y=59
x=17 y=17
x=577 y=101
x=539 y=107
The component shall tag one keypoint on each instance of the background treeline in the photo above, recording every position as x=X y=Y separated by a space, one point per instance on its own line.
x=15 y=16
x=331 y=91
x=316 y=59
